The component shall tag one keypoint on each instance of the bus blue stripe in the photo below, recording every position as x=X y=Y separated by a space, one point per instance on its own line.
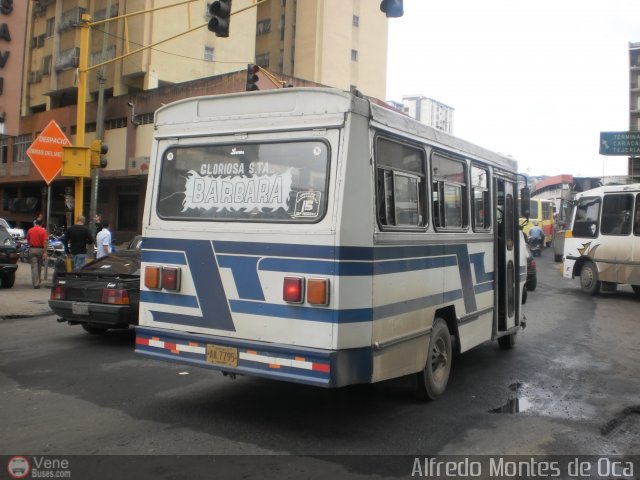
x=355 y=315
x=300 y=312
x=154 y=256
x=484 y=287
x=166 y=298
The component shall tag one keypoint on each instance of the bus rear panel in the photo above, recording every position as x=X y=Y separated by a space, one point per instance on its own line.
x=311 y=236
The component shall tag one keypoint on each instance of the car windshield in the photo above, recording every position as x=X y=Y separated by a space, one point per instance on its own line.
x=5 y=238
x=4 y=223
x=121 y=263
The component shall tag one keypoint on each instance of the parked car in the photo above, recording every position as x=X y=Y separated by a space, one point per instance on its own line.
x=103 y=294
x=8 y=259
x=16 y=233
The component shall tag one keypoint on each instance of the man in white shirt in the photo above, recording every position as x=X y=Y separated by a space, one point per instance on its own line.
x=103 y=240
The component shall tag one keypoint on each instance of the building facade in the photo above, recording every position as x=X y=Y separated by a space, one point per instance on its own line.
x=429 y=111
x=307 y=42
x=332 y=42
x=634 y=100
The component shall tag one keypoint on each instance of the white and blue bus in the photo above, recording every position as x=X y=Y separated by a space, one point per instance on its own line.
x=314 y=236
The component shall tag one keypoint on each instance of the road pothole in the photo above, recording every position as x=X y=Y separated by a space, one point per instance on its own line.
x=517 y=401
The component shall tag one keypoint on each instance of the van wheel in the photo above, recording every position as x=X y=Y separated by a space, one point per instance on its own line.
x=432 y=380
x=589 y=279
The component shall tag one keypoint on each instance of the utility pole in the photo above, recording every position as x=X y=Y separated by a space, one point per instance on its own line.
x=95 y=172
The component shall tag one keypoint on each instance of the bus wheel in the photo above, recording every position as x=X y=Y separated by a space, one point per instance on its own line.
x=432 y=380
x=507 y=342
x=636 y=289
x=589 y=279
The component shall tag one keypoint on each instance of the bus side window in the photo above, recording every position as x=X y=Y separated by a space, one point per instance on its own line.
x=616 y=214
x=449 y=192
x=400 y=184
x=586 y=222
x=481 y=198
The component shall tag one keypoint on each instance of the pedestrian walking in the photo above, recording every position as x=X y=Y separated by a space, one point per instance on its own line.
x=103 y=240
x=37 y=239
x=97 y=220
x=75 y=240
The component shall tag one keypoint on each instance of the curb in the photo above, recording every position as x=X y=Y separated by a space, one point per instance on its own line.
x=34 y=315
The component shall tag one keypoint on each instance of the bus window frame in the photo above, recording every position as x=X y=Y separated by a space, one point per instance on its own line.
x=636 y=217
x=441 y=182
x=628 y=220
x=380 y=198
x=597 y=200
x=486 y=199
x=176 y=146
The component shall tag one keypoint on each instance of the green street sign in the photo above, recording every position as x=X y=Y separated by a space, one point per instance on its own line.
x=620 y=143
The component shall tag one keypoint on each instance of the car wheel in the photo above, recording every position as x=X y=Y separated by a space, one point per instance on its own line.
x=636 y=289
x=589 y=279
x=557 y=258
x=432 y=380
x=532 y=284
x=94 y=330
x=8 y=280
x=507 y=342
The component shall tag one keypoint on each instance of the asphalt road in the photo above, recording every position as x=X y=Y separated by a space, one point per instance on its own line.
x=569 y=387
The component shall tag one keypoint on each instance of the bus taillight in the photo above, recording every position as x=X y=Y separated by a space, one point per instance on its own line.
x=170 y=278
x=152 y=277
x=318 y=291
x=293 y=289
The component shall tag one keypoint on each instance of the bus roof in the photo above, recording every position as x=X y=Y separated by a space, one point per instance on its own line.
x=599 y=191
x=246 y=111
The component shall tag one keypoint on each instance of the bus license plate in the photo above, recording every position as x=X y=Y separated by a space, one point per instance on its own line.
x=219 y=355
x=79 y=308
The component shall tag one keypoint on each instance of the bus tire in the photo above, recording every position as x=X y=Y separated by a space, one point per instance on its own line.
x=432 y=380
x=589 y=278
x=507 y=342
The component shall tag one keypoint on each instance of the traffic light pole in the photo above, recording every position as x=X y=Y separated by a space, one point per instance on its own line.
x=84 y=68
x=81 y=109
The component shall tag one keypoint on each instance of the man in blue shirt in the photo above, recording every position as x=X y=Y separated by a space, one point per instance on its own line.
x=536 y=233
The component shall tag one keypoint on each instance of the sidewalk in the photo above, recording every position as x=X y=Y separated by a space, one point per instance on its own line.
x=22 y=300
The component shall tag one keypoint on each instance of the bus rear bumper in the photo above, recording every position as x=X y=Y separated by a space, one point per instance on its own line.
x=311 y=366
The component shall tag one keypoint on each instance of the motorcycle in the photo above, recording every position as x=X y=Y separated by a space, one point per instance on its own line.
x=535 y=245
x=23 y=250
x=55 y=250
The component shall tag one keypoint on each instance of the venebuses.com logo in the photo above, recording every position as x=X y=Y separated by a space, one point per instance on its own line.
x=38 y=467
x=18 y=467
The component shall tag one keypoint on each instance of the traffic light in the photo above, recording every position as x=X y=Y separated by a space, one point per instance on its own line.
x=98 y=150
x=392 y=8
x=220 y=12
x=252 y=77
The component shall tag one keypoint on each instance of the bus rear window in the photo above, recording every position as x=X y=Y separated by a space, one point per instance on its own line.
x=266 y=182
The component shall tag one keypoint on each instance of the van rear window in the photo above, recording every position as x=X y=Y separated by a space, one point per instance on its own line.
x=265 y=182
